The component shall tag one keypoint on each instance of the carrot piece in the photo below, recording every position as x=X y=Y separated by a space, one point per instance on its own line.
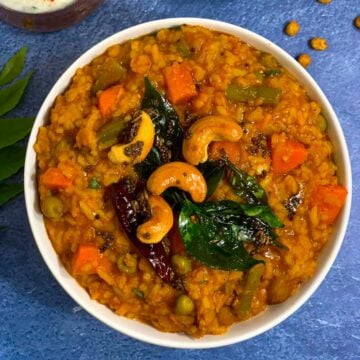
x=179 y=83
x=329 y=199
x=108 y=99
x=219 y=149
x=87 y=259
x=287 y=156
x=53 y=179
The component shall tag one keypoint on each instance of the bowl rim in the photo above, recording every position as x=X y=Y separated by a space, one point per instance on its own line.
x=278 y=313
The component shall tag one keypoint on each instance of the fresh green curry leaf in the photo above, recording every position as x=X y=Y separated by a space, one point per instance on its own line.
x=9 y=191
x=13 y=130
x=11 y=95
x=11 y=160
x=246 y=186
x=215 y=233
x=213 y=172
x=13 y=67
x=168 y=131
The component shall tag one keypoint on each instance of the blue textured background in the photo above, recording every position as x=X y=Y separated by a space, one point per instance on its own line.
x=38 y=320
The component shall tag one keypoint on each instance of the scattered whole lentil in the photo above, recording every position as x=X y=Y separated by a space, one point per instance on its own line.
x=324 y=1
x=292 y=28
x=319 y=44
x=304 y=60
x=357 y=22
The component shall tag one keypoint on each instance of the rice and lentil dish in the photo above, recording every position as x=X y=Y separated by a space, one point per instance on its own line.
x=186 y=180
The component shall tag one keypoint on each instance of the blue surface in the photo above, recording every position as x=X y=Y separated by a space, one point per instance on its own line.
x=38 y=320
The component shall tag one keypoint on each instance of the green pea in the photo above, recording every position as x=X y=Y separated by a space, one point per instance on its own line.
x=184 y=305
x=94 y=184
x=321 y=122
x=183 y=48
x=52 y=207
x=127 y=263
x=181 y=264
x=63 y=145
x=268 y=60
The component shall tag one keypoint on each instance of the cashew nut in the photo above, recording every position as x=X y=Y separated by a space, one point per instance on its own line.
x=206 y=130
x=161 y=221
x=181 y=175
x=139 y=147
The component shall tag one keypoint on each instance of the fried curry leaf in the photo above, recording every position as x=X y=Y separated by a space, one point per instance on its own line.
x=13 y=130
x=9 y=191
x=262 y=212
x=166 y=121
x=11 y=95
x=215 y=233
x=175 y=198
x=13 y=67
x=2 y=228
x=152 y=161
x=246 y=186
x=243 y=184
x=213 y=172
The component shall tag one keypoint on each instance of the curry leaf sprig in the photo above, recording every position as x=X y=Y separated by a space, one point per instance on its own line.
x=12 y=130
x=215 y=233
x=168 y=138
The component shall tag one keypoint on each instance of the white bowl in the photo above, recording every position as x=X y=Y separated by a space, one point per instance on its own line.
x=239 y=332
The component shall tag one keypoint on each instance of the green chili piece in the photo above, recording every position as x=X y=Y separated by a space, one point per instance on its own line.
x=272 y=72
x=252 y=283
x=94 y=184
x=183 y=48
x=237 y=93
x=109 y=133
x=109 y=73
x=140 y=294
x=270 y=96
